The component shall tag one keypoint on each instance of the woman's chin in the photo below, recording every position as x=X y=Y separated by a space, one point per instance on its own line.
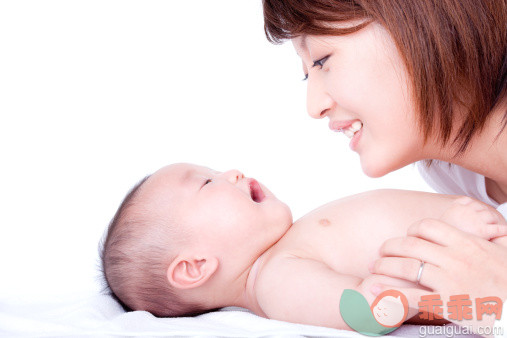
x=376 y=167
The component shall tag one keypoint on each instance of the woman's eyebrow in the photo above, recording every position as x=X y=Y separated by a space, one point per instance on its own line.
x=304 y=44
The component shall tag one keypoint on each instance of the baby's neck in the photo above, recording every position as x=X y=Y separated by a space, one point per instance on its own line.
x=242 y=291
x=248 y=299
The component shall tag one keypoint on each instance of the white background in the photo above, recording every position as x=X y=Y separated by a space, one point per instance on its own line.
x=94 y=95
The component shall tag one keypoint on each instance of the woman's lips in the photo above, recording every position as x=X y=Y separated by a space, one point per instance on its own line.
x=256 y=192
x=355 y=140
x=340 y=125
x=353 y=129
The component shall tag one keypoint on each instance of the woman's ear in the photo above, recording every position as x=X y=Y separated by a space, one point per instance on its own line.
x=187 y=272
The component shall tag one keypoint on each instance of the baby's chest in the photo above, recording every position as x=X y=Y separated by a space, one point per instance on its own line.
x=346 y=250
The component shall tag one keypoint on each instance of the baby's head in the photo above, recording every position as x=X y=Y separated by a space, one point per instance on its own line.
x=187 y=235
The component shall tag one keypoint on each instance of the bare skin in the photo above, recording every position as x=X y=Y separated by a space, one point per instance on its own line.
x=301 y=278
x=241 y=248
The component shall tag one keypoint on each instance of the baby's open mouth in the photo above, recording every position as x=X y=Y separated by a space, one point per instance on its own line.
x=256 y=192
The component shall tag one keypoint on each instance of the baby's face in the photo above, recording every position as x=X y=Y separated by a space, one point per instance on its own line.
x=225 y=212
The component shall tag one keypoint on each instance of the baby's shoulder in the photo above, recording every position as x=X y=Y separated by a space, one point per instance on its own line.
x=276 y=268
x=277 y=279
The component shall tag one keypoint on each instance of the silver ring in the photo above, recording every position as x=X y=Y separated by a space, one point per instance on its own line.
x=419 y=274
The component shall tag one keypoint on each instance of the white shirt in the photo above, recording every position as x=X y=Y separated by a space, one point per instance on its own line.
x=452 y=179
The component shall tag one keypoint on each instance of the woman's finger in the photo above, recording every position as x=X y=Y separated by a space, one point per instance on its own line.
x=440 y=232
x=409 y=269
x=413 y=295
x=490 y=231
x=414 y=247
x=435 y=231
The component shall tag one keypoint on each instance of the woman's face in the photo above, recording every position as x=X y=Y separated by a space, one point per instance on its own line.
x=361 y=77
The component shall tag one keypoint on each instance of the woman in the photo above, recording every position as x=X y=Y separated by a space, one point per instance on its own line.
x=415 y=81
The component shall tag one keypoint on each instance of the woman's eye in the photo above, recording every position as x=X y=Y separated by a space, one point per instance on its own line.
x=320 y=62
x=207 y=181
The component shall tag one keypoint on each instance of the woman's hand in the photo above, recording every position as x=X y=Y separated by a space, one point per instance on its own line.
x=455 y=263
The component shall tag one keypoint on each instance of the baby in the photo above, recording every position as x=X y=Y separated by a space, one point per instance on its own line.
x=188 y=239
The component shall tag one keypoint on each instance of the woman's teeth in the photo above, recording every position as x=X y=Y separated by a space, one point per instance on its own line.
x=355 y=127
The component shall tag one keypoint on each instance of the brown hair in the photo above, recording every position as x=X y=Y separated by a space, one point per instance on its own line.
x=134 y=262
x=454 y=50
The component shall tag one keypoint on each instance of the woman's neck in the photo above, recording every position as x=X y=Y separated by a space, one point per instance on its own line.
x=495 y=191
x=487 y=155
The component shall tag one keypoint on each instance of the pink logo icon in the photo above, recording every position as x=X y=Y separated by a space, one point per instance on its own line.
x=390 y=308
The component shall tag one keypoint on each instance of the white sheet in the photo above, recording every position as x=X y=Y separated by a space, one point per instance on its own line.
x=101 y=316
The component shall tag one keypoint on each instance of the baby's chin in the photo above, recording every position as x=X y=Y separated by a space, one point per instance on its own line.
x=285 y=220
x=283 y=214
x=289 y=219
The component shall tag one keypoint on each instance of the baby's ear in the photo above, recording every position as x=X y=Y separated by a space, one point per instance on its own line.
x=187 y=272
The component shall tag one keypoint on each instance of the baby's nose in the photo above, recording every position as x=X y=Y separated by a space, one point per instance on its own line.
x=233 y=176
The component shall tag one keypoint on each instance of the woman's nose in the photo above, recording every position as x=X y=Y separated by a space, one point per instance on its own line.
x=318 y=101
x=233 y=176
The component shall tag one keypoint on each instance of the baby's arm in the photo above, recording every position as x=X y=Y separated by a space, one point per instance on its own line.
x=308 y=292
x=477 y=218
